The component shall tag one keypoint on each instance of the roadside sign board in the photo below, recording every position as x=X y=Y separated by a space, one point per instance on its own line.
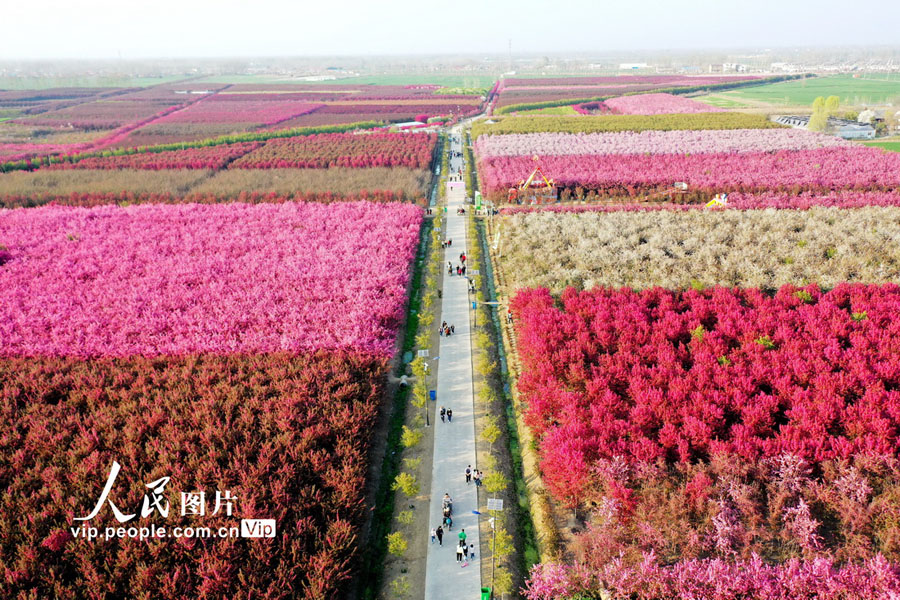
x=495 y=504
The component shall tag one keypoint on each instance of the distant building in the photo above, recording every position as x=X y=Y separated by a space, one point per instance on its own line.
x=867 y=116
x=849 y=130
x=784 y=67
x=632 y=66
x=734 y=68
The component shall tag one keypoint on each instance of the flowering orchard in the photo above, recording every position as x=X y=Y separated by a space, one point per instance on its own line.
x=175 y=279
x=343 y=150
x=209 y=157
x=718 y=580
x=657 y=104
x=655 y=142
x=704 y=429
x=676 y=249
x=259 y=112
x=287 y=435
x=682 y=376
x=817 y=170
x=608 y=123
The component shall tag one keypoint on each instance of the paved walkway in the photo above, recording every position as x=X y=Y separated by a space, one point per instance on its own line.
x=454 y=443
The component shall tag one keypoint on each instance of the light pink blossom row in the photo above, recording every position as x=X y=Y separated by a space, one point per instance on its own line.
x=655 y=142
x=176 y=279
x=715 y=579
x=821 y=169
x=657 y=104
x=737 y=200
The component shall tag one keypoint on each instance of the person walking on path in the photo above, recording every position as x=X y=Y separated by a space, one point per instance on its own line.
x=477 y=477
x=464 y=269
x=440 y=535
x=471 y=550
x=459 y=554
x=448 y=521
x=453 y=329
x=433 y=535
x=462 y=537
x=468 y=474
x=449 y=415
x=443 y=413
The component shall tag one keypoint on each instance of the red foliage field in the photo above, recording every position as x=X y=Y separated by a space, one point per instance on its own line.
x=287 y=435
x=683 y=376
x=327 y=150
x=208 y=157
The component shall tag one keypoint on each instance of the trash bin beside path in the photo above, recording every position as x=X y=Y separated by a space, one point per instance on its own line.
x=485 y=593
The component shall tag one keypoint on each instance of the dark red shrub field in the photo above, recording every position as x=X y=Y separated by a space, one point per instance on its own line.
x=286 y=435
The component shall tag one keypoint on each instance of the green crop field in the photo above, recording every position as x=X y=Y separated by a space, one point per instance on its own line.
x=867 y=89
x=721 y=101
x=553 y=110
x=893 y=145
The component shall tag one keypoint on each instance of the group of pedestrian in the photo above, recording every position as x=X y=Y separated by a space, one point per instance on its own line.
x=460 y=211
x=459 y=269
x=447 y=243
x=462 y=257
x=446 y=330
x=464 y=551
x=473 y=476
x=446 y=412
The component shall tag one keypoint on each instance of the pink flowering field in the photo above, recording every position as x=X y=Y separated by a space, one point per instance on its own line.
x=821 y=169
x=657 y=104
x=655 y=142
x=177 y=279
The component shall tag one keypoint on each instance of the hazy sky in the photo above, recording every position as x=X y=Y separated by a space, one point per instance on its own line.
x=209 y=28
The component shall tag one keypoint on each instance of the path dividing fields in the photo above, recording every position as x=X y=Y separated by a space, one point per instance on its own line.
x=454 y=442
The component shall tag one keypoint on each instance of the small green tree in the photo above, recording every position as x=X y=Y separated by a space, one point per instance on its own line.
x=397 y=544
x=410 y=437
x=412 y=463
x=400 y=587
x=406 y=483
x=832 y=104
x=503 y=582
x=503 y=543
x=818 y=121
x=495 y=482
x=406 y=517
x=491 y=432
x=423 y=340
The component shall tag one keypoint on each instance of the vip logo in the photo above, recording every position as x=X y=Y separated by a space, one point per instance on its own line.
x=257 y=528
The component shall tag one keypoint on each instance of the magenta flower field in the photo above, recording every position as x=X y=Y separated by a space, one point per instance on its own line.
x=814 y=170
x=657 y=104
x=176 y=279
